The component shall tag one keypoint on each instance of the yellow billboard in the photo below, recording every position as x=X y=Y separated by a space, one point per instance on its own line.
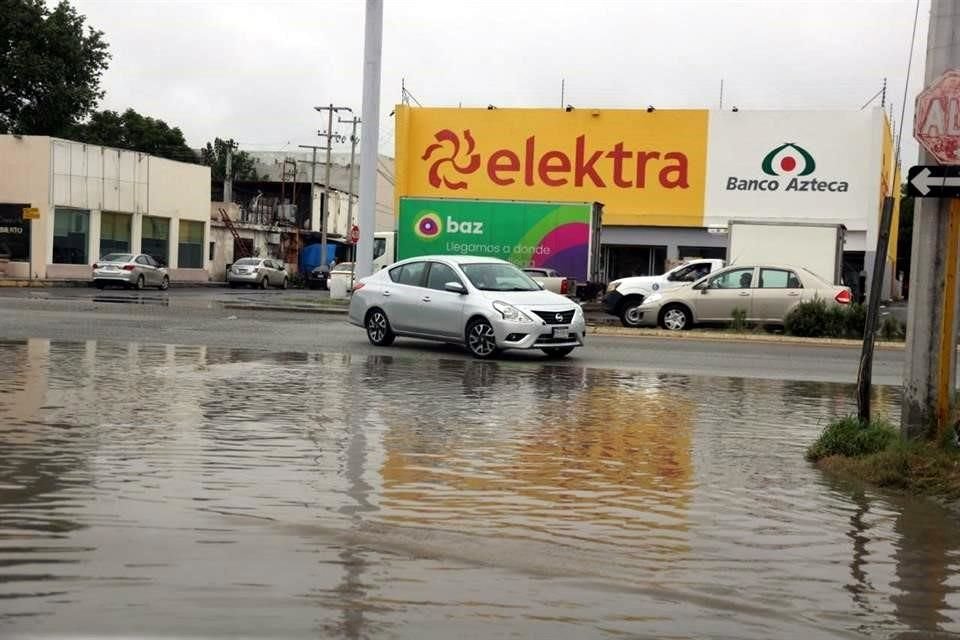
x=646 y=167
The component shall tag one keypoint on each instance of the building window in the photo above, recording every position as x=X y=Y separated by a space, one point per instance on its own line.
x=71 y=228
x=114 y=233
x=14 y=233
x=156 y=238
x=190 y=252
x=715 y=253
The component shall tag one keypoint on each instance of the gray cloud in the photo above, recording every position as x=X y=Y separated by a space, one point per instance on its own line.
x=254 y=70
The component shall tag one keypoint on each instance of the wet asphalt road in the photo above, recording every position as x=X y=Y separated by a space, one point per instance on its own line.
x=173 y=469
x=197 y=317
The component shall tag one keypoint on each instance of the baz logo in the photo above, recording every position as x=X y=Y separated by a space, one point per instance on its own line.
x=429 y=226
x=788 y=160
x=792 y=161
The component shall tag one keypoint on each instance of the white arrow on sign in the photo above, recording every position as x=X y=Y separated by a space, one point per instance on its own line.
x=924 y=180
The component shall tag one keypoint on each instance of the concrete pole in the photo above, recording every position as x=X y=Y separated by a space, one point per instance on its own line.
x=372 y=46
x=930 y=372
x=326 y=190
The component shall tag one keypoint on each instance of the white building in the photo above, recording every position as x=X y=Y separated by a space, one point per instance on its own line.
x=95 y=200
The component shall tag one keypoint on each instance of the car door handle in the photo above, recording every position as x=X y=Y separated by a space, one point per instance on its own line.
x=744 y=294
x=425 y=298
x=794 y=294
x=386 y=293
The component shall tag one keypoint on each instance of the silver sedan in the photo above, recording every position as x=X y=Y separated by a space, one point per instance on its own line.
x=130 y=270
x=484 y=304
x=765 y=294
x=257 y=272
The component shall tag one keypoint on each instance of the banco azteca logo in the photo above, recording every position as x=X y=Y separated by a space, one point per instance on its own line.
x=428 y=226
x=788 y=159
x=449 y=157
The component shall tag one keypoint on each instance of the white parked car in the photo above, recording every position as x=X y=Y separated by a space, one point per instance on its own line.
x=485 y=304
x=624 y=296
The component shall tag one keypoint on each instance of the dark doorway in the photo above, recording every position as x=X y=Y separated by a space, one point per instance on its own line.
x=624 y=261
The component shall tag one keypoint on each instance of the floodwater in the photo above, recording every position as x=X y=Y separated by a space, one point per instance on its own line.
x=193 y=492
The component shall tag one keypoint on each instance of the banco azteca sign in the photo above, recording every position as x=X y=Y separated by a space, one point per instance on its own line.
x=788 y=167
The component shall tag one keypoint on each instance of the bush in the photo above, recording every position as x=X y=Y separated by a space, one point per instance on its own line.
x=848 y=437
x=817 y=319
x=892 y=329
x=739 y=322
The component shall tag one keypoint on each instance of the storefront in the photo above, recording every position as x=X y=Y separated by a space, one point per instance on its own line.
x=92 y=201
x=669 y=180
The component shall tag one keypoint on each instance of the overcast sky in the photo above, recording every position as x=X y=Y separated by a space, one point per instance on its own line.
x=254 y=70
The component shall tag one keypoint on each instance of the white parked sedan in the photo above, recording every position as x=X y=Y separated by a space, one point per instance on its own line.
x=765 y=293
x=485 y=304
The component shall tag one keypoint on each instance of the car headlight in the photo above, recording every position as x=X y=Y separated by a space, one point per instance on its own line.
x=510 y=312
x=613 y=286
x=653 y=297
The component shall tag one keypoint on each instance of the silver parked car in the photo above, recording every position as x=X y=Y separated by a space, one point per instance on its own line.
x=485 y=304
x=130 y=270
x=765 y=293
x=257 y=272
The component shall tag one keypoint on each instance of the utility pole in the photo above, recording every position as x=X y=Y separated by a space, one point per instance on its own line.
x=228 y=173
x=372 y=47
x=354 y=121
x=313 y=172
x=324 y=212
x=930 y=374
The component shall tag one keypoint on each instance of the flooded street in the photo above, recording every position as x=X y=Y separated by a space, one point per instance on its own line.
x=214 y=492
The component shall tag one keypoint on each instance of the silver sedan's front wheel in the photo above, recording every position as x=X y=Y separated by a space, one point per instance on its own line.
x=675 y=318
x=481 y=340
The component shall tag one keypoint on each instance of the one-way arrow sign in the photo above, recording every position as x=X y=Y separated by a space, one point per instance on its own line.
x=934 y=181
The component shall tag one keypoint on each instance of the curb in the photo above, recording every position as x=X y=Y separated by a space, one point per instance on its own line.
x=287 y=308
x=703 y=336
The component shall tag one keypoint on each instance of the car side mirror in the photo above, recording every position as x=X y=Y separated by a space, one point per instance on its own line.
x=455 y=287
x=703 y=291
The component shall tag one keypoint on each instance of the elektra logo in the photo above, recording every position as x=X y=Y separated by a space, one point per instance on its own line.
x=577 y=164
x=788 y=160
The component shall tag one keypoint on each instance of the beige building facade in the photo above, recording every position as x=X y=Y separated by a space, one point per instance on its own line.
x=91 y=200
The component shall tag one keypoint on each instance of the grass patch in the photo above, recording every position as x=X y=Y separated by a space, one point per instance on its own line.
x=878 y=455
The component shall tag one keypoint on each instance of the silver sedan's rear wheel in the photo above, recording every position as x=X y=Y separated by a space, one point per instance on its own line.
x=481 y=339
x=378 y=328
x=675 y=318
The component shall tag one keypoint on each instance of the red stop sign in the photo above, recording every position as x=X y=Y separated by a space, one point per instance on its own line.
x=936 y=124
x=354 y=234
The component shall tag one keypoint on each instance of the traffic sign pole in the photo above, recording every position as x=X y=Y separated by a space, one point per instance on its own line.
x=930 y=373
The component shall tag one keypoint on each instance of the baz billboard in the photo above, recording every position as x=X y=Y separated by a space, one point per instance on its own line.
x=529 y=234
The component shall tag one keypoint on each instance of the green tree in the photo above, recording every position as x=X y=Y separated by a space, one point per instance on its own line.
x=215 y=156
x=51 y=67
x=131 y=130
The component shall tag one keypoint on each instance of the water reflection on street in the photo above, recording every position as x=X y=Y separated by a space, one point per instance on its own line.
x=191 y=491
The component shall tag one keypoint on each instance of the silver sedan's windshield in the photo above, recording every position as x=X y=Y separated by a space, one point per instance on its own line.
x=497 y=276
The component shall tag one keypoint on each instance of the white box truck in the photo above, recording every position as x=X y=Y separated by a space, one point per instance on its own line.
x=817 y=247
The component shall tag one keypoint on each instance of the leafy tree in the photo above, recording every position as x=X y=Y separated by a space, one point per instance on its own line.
x=51 y=67
x=215 y=156
x=131 y=130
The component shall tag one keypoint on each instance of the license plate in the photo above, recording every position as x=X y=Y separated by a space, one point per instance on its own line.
x=561 y=333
